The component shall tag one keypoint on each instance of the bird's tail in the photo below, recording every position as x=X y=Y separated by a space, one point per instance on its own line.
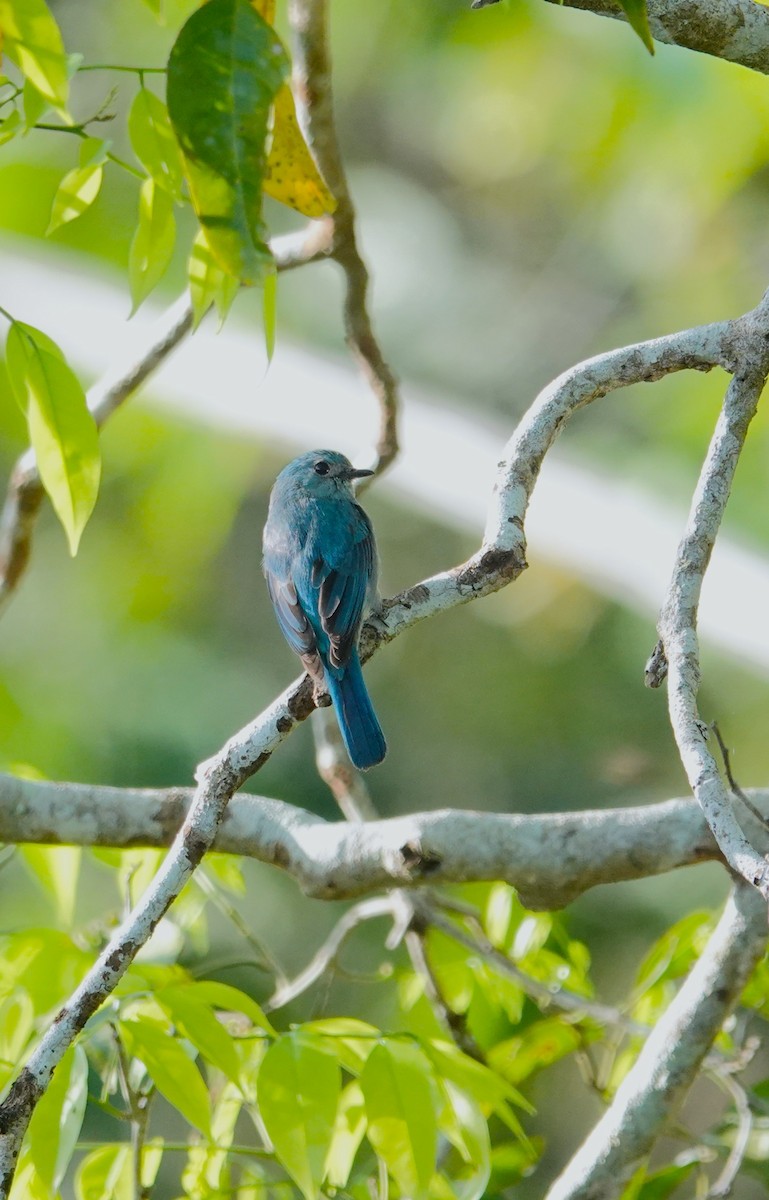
x=357 y=720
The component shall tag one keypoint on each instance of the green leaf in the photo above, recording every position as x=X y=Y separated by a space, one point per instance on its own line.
x=79 y=187
x=498 y=914
x=10 y=126
x=400 y=1107
x=151 y=1158
x=57 y=868
x=153 y=141
x=46 y=962
x=35 y=104
x=209 y=284
x=541 y=1044
x=57 y=1119
x=17 y=1022
x=106 y=1174
x=196 y=1021
x=223 y=73
x=349 y=1128
x=660 y=1184
x=61 y=429
x=206 y=1172
x=170 y=1069
x=469 y=1134
x=638 y=18
x=153 y=242
x=352 y=1040
x=298 y=1090
x=32 y=40
x=227 y=869
x=223 y=995
x=511 y=1161
x=473 y=1077
x=270 y=311
x=673 y=953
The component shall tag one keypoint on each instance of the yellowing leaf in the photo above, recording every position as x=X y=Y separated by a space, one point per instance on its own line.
x=32 y=40
x=266 y=10
x=291 y=176
x=62 y=430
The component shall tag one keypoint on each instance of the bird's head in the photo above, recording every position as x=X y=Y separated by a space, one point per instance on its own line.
x=324 y=473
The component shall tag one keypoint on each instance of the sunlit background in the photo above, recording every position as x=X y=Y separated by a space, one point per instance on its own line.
x=533 y=188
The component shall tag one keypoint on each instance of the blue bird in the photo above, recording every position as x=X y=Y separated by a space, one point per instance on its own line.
x=320 y=561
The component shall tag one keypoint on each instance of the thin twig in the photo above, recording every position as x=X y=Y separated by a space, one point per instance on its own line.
x=347 y=786
x=324 y=959
x=722 y=1186
x=559 y=998
x=313 y=89
x=734 y=786
x=453 y=1022
x=264 y=958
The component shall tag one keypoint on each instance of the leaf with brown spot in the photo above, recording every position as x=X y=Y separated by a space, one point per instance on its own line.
x=291 y=175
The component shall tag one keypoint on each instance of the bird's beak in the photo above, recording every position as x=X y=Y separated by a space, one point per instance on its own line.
x=359 y=473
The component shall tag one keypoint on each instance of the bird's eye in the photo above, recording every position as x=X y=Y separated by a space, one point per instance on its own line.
x=321 y=467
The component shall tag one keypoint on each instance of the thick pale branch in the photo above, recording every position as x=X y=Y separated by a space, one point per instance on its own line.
x=678 y=621
x=735 y=30
x=654 y=1089
x=550 y=858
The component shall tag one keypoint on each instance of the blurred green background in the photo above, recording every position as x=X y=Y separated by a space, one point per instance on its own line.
x=533 y=188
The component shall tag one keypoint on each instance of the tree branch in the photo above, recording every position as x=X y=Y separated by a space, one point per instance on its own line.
x=654 y=1089
x=549 y=858
x=313 y=90
x=734 y=30
x=678 y=621
x=499 y=560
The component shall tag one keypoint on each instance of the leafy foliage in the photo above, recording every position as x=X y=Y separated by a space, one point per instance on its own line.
x=232 y=135
x=326 y=1103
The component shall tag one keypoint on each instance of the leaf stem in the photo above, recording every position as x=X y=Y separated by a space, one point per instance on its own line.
x=119 y=67
x=81 y=132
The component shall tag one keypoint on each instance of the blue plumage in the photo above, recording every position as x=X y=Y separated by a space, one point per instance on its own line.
x=321 y=568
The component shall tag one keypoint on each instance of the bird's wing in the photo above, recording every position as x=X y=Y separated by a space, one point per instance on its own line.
x=342 y=590
x=291 y=616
